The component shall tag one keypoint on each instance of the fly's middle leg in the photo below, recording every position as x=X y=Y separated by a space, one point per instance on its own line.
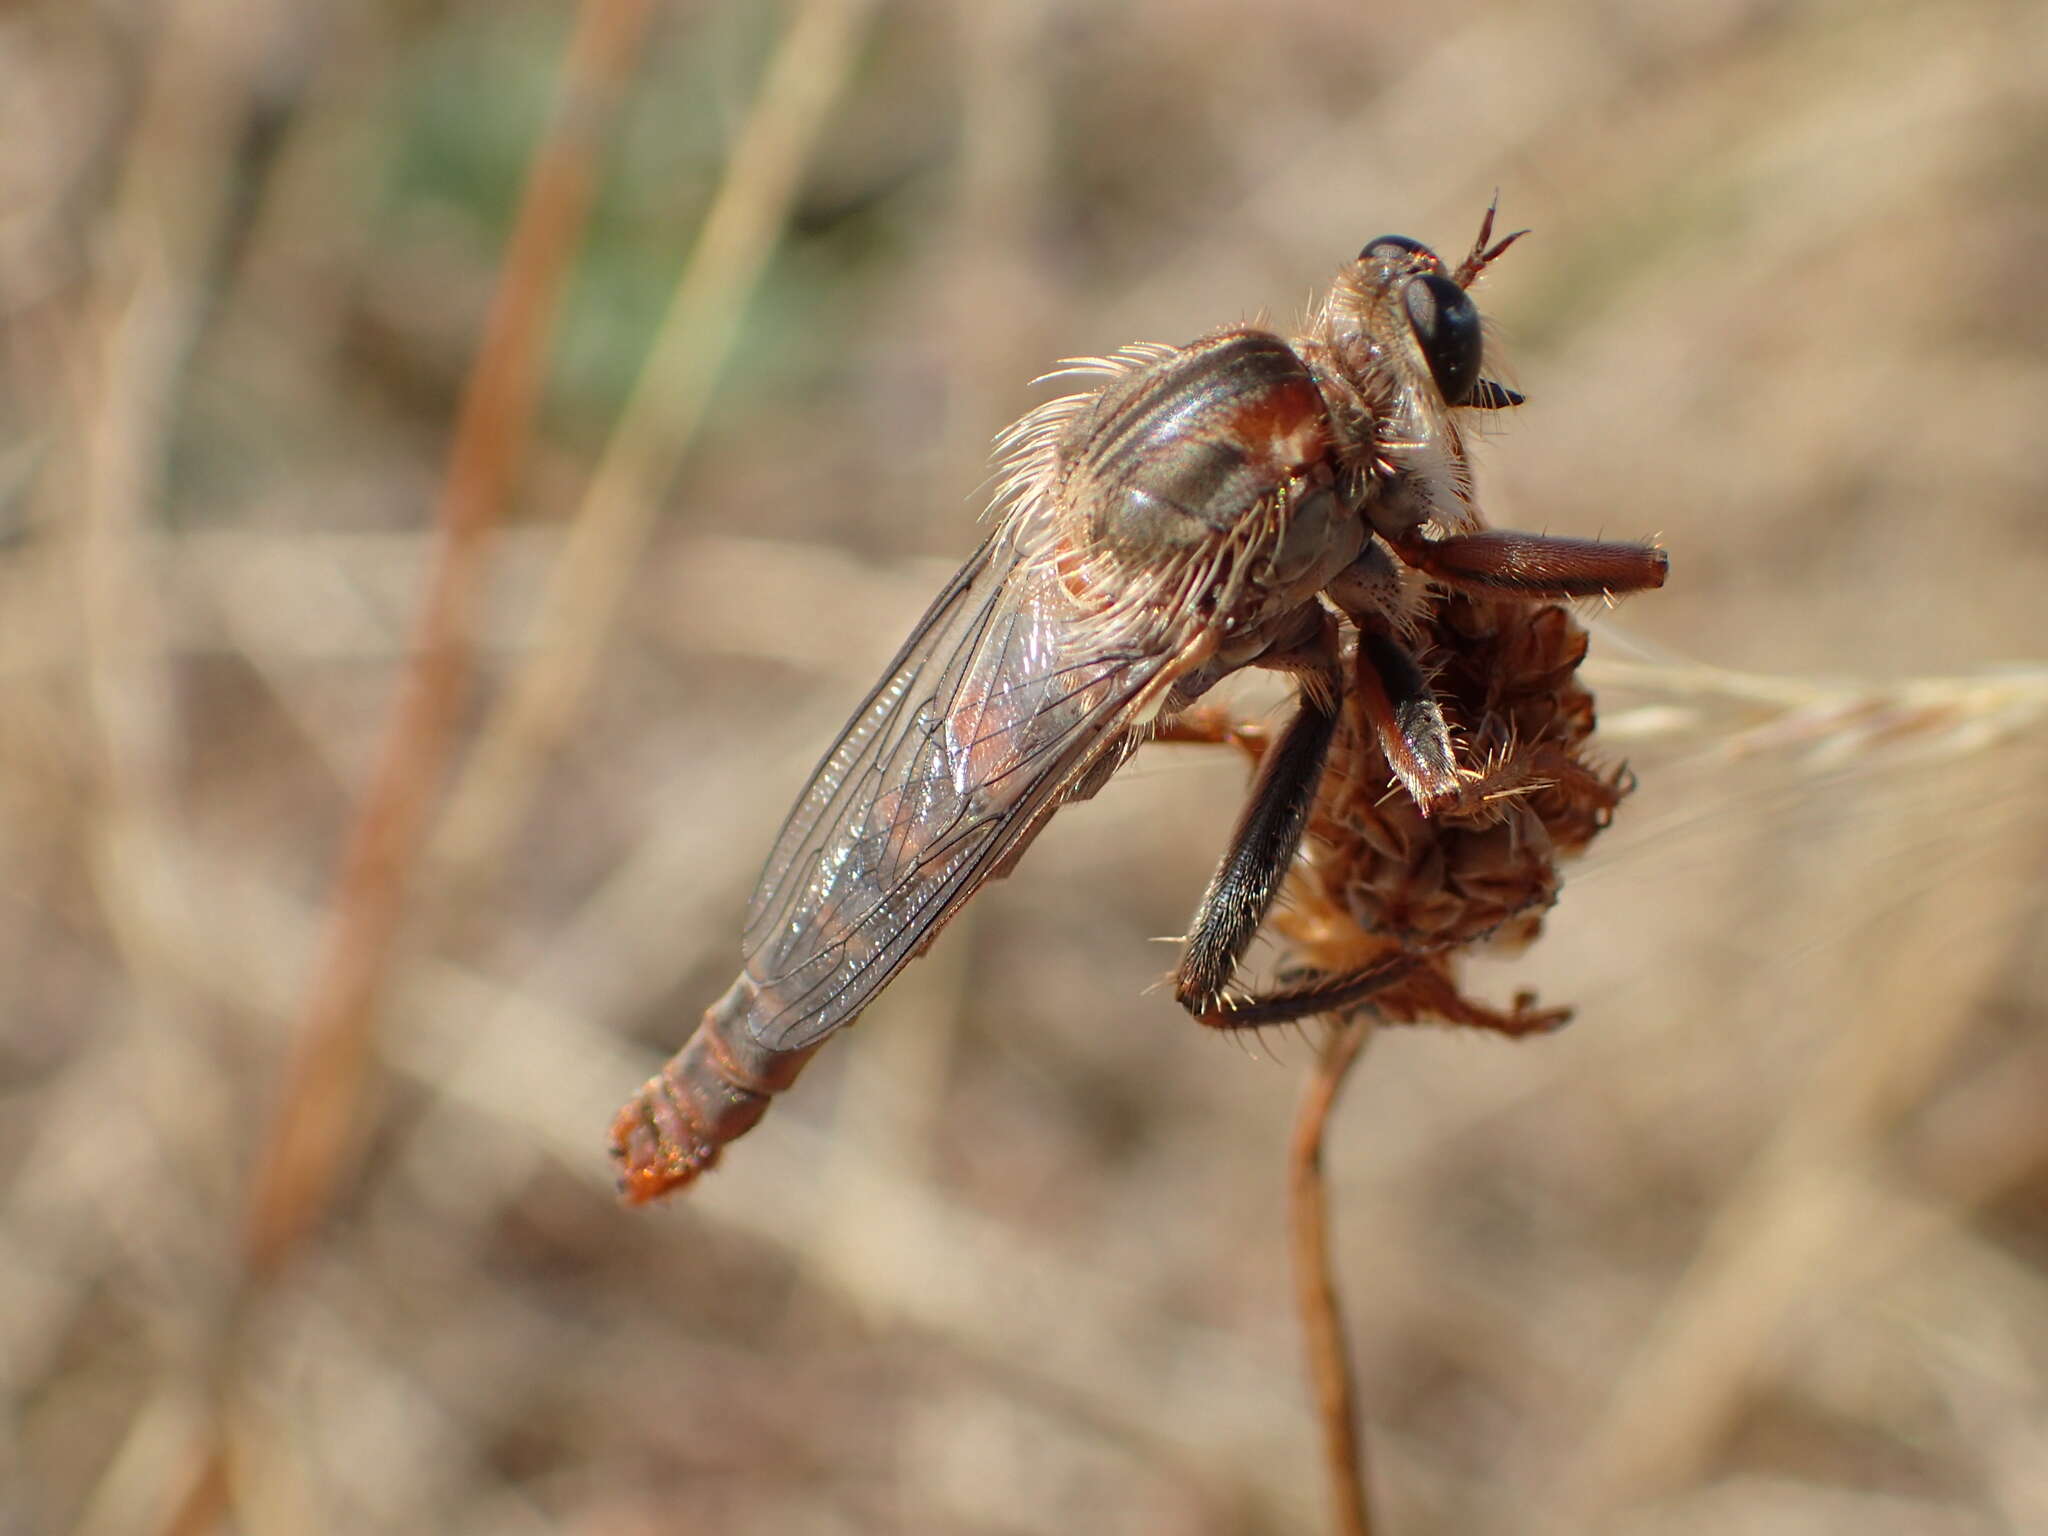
x=1389 y=689
x=1212 y=725
x=1395 y=699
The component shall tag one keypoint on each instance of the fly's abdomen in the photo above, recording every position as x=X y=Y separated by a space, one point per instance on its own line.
x=710 y=1092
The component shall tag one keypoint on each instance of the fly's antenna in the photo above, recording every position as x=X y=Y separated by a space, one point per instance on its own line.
x=1482 y=256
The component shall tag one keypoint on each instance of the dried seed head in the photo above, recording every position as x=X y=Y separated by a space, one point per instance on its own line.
x=1377 y=876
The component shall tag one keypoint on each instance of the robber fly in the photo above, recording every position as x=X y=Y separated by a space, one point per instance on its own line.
x=1199 y=510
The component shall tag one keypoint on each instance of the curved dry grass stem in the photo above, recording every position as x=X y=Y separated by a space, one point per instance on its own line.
x=129 y=359
x=1832 y=716
x=1315 y=1284
x=611 y=527
x=302 y=1153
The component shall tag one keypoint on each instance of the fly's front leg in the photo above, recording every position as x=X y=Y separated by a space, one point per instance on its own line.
x=1269 y=831
x=1409 y=724
x=1501 y=562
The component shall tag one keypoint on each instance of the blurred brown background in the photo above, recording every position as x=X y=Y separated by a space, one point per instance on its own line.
x=1759 y=1245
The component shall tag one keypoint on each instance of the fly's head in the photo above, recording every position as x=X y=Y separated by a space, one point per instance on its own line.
x=1400 y=351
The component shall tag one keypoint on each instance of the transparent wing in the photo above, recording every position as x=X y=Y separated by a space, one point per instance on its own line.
x=982 y=725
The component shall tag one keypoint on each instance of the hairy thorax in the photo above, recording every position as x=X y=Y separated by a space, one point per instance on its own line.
x=1204 y=478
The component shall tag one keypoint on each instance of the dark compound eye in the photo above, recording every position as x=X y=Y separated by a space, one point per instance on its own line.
x=1400 y=247
x=1446 y=326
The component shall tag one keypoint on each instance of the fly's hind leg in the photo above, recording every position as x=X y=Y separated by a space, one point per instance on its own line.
x=1426 y=989
x=1319 y=995
x=1269 y=830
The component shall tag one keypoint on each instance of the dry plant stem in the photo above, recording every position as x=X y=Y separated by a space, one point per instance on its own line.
x=1315 y=1284
x=1835 y=715
x=297 y=1165
x=655 y=430
x=127 y=364
x=196 y=1509
x=128 y=361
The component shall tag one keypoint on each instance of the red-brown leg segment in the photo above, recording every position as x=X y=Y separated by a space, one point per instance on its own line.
x=1534 y=564
x=1211 y=725
x=1432 y=992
